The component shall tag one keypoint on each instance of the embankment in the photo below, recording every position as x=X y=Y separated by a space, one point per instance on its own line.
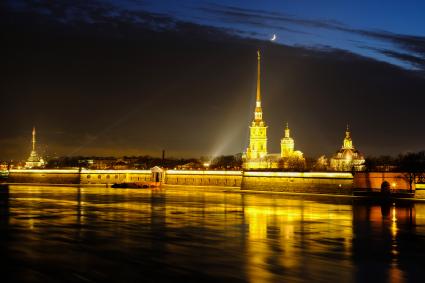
x=292 y=182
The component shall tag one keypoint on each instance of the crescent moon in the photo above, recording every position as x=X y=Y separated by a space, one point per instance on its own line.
x=273 y=37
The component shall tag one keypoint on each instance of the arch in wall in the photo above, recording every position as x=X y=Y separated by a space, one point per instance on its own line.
x=385 y=187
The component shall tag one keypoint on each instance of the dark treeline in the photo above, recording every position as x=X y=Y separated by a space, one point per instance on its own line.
x=412 y=163
x=126 y=162
x=230 y=162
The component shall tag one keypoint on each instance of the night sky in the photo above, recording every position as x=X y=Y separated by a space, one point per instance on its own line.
x=135 y=77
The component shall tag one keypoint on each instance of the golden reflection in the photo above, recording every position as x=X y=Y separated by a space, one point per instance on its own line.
x=272 y=225
x=260 y=238
x=394 y=214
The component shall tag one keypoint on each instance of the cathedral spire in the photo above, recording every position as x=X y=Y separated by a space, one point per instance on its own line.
x=34 y=160
x=258 y=111
x=348 y=142
x=258 y=78
x=287 y=131
x=33 y=138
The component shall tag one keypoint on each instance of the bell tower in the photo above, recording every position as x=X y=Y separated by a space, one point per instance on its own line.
x=258 y=129
x=348 y=142
x=287 y=144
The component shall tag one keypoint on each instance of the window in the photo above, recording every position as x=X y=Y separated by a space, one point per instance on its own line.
x=107 y=176
x=88 y=176
x=99 y=177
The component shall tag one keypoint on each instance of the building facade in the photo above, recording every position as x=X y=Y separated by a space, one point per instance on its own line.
x=287 y=146
x=289 y=157
x=347 y=158
x=34 y=160
x=255 y=156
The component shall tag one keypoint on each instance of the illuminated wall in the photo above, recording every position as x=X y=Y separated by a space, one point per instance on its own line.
x=296 y=182
x=299 y=182
x=44 y=176
x=114 y=176
x=374 y=180
x=204 y=178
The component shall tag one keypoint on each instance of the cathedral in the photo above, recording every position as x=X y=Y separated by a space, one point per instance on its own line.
x=256 y=155
x=347 y=158
x=34 y=160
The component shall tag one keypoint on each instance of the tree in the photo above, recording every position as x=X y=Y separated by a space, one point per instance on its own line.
x=382 y=163
x=227 y=162
x=292 y=164
x=413 y=166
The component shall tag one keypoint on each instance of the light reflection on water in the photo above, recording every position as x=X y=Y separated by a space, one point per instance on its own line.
x=67 y=234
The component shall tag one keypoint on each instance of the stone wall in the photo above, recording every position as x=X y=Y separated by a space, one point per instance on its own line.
x=203 y=178
x=420 y=191
x=299 y=182
x=374 y=180
x=296 y=182
x=58 y=176
x=114 y=176
x=73 y=176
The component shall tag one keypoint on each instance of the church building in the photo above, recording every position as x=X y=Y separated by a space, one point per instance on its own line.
x=289 y=157
x=256 y=155
x=287 y=146
x=347 y=158
x=34 y=160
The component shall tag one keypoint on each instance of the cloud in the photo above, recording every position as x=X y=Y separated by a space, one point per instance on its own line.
x=264 y=18
x=418 y=62
x=188 y=88
x=410 y=43
x=406 y=48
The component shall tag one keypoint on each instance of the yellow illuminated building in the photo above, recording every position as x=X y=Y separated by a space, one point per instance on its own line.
x=347 y=158
x=34 y=160
x=256 y=153
x=287 y=144
x=290 y=158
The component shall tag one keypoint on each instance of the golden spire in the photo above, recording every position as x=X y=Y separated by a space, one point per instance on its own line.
x=258 y=111
x=33 y=138
x=287 y=134
x=347 y=132
x=348 y=142
x=258 y=77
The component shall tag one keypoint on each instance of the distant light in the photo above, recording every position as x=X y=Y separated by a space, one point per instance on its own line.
x=393 y=184
x=394 y=213
x=207 y=164
x=339 y=175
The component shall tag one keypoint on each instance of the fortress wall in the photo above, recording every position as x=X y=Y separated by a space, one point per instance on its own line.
x=46 y=176
x=420 y=191
x=114 y=176
x=374 y=180
x=72 y=176
x=295 y=182
x=203 y=178
x=299 y=182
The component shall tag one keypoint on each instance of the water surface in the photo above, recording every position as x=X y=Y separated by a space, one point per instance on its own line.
x=67 y=234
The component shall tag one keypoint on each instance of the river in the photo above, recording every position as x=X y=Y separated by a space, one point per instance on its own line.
x=69 y=234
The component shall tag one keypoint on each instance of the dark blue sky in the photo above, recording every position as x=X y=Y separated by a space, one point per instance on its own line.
x=363 y=27
x=136 y=77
